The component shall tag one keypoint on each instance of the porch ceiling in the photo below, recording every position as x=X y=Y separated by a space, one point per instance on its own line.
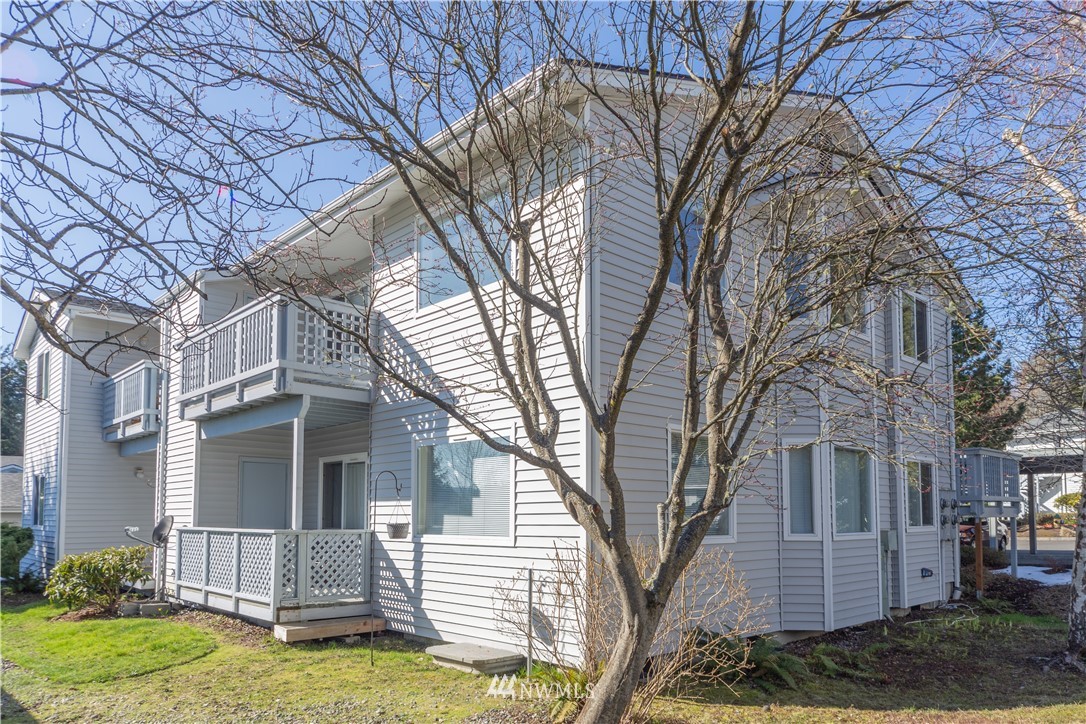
x=322 y=412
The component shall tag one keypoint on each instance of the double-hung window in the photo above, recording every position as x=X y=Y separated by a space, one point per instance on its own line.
x=697 y=483
x=847 y=305
x=41 y=376
x=920 y=482
x=914 y=328
x=688 y=236
x=801 y=468
x=464 y=489
x=37 y=500
x=853 y=499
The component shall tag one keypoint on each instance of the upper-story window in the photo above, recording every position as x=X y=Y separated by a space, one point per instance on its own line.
x=687 y=240
x=41 y=376
x=797 y=287
x=438 y=277
x=697 y=484
x=914 y=328
x=847 y=306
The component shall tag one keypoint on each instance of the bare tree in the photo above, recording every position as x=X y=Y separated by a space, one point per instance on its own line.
x=781 y=228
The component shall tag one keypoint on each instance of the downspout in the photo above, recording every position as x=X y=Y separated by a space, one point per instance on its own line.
x=160 y=479
x=62 y=452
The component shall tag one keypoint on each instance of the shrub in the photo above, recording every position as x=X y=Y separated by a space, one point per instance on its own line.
x=992 y=558
x=1068 y=502
x=1046 y=520
x=16 y=542
x=770 y=666
x=99 y=578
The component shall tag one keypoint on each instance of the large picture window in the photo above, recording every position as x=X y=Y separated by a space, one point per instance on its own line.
x=697 y=483
x=914 y=328
x=852 y=496
x=920 y=480
x=463 y=489
x=801 y=490
x=439 y=279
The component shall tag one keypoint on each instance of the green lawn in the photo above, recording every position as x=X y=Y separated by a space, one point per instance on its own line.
x=206 y=668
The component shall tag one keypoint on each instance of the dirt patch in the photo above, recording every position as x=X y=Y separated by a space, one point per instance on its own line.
x=85 y=614
x=22 y=599
x=1052 y=601
x=241 y=632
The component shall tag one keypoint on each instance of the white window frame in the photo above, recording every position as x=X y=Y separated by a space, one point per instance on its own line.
x=788 y=444
x=38 y=483
x=422 y=228
x=699 y=209
x=732 y=536
x=900 y=328
x=346 y=458
x=418 y=536
x=873 y=502
x=924 y=460
x=41 y=375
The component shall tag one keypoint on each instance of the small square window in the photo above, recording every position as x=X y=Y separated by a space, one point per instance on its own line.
x=463 y=489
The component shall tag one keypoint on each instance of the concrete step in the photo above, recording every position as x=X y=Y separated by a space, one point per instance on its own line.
x=476 y=659
x=327 y=628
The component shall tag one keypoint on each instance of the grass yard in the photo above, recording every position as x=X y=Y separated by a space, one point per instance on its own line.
x=956 y=666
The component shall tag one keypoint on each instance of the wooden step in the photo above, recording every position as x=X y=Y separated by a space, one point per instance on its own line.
x=328 y=628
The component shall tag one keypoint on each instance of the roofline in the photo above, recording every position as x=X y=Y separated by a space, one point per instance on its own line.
x=28 y=327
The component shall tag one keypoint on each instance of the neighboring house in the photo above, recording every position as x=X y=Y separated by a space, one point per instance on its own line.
x=86 y=473
x=281 y=454
x=1054 y=438
x=11 y=489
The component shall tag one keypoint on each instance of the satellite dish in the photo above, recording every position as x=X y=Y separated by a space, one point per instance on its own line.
x=159 y=536
x=161 y=533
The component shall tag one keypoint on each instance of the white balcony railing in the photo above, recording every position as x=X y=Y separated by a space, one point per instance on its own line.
x=276 y=339
x=130 y=406
x=272 y=568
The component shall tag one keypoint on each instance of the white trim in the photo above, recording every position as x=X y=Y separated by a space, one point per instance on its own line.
x=347 y=458
x=872 y=501
x=506 y=541
x=62 y=463
x=923 y=459
x=709 y=539
x=788 y=442
x=899 y=331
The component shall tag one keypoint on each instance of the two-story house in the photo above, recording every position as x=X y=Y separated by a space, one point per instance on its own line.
x=303 y=488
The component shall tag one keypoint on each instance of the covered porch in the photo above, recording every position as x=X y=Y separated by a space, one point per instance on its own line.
x=281 y=528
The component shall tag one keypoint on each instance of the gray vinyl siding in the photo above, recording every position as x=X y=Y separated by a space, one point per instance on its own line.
x=103 y=494
x=42 y=456
x=447 y=589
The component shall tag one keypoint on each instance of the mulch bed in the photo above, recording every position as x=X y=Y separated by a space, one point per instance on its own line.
x=21 y=599
x=242 y=632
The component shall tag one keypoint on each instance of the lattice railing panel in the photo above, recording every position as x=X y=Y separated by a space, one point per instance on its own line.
x=255 y=571
x=331 y=339
x=288 y=567
x=337 y=565
x=220 y=562
x=190 y=557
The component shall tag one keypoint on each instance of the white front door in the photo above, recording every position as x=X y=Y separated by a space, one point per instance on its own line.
x=265 y=494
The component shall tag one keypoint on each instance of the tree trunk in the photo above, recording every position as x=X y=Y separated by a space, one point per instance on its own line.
x=612 y=694
x=1076 y=639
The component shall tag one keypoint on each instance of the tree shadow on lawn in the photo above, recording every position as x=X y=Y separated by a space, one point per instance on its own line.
x=944 y=660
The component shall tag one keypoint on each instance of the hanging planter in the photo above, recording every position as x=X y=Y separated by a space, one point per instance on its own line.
x=398 y=530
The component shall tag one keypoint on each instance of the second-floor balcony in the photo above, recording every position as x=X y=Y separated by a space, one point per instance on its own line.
x=130 y=406
x=271 y=348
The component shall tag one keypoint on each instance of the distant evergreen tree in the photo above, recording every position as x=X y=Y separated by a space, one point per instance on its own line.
x=984 y=414
x=13 y=400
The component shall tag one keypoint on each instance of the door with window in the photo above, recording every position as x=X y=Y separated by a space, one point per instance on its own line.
x=343 y=493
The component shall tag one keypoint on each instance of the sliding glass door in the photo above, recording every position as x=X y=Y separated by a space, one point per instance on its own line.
x=343 y=493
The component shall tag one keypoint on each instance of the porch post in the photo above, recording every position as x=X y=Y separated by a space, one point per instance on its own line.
x=297 y=464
